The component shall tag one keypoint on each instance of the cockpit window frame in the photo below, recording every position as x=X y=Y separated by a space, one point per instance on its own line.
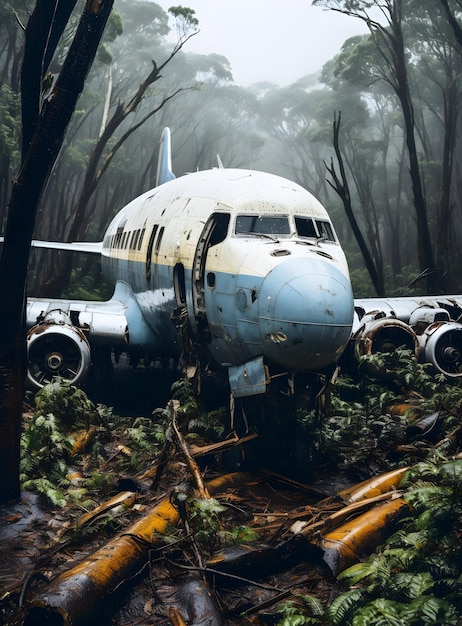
x=258 y=219
x=322 y=229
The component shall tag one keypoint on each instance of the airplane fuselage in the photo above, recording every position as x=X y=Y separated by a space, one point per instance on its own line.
x=236 y=267
x=249 y=261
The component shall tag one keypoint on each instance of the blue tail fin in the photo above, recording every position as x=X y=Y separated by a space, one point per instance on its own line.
x=164 y=163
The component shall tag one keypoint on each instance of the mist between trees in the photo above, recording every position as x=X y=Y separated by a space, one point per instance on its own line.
x=143 y=81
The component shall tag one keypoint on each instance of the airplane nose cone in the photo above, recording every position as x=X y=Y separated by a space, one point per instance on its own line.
x=305 y=313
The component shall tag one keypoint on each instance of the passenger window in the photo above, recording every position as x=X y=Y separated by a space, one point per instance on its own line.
x=140 y=240
x=159 y=239
x=118 y=237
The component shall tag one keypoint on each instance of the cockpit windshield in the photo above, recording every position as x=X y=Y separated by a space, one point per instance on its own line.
x=277 y=225
x=262 y=225
x=319 y=229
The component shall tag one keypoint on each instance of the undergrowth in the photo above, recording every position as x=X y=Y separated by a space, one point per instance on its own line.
x=366 y=421
x=414 y=579
x=50 y=452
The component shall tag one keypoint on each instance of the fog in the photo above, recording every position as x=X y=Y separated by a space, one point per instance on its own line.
x=269 y=40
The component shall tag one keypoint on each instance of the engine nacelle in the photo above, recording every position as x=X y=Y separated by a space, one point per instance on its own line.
x=384 y=334
x=441 y=345
x=56 y=348
x=375 y=333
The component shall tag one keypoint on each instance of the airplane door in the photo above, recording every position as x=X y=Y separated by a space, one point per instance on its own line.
x=214 y=232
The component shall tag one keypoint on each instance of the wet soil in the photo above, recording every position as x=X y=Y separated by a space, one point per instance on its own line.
x=36 y=545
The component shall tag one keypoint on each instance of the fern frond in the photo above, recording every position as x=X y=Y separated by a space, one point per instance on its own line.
x=414 y=585
x=341 y=610
x=451 y=472
x=314 y=606
x=380 y=612
x=428 y=610
x=354 y=574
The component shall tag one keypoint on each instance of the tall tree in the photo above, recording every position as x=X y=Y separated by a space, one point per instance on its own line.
x=339 y=183
x=49 y=127
x=452 y=19
x=108 y=143
x=389 y=39
x=438 y=64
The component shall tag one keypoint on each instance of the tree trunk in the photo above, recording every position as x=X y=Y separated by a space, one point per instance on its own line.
x=22 y=210
x=340 y=185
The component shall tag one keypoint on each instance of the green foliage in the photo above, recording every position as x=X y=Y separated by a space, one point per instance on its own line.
x=145 y=434
x=204 y=519
x=343 y=608
x=46 y=488
x=44 y=450
x=47 y=442
x=10 y=127
x=99 y=482
x=143 y=440
x=303 y=610
x=66 y=402
x=185 y=18
x=191 y=414
x=114 y=29
x=415 y=578
x=87 y=285
x=359 y=422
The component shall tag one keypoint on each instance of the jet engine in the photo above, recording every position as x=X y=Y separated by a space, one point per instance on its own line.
x=441 y=345
x=384 y=334
x=55 y=347
x=375 y=333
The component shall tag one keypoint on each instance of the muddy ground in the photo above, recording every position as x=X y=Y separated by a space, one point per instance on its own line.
x=186 y=575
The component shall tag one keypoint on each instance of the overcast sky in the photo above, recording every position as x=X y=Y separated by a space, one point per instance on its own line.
x=274 y=40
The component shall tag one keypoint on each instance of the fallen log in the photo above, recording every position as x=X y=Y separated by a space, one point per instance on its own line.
x=373 y=486
x=338 y=539
x=331 y=511
x=348 y=543
x=360 y=535
x=198 y=605
x=255 y=561
x=79 y=595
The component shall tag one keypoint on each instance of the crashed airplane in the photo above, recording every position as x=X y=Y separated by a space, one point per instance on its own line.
x=236 y=267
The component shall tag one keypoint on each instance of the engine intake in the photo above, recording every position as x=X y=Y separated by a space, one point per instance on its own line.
x=56 y=348
x=441 y=345
x=384 y=334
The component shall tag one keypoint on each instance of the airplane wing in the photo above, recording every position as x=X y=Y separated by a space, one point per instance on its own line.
x=91 y=247
x=62 y=333
x=428 y=325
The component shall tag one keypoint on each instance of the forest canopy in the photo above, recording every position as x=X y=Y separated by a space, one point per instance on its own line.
x=286 y=130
